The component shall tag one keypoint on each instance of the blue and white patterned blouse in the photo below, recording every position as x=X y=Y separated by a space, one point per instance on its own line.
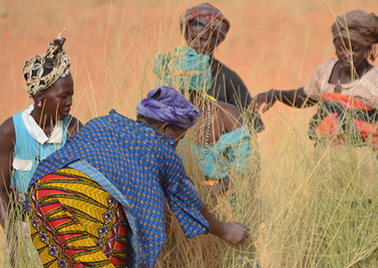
x=138 y=167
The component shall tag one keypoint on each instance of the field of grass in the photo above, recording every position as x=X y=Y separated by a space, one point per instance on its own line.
x=306 y=208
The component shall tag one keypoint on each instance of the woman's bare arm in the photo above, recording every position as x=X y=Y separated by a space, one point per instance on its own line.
x=294 y=98
x=230 y=115
x=7 y=138
x=232 y=232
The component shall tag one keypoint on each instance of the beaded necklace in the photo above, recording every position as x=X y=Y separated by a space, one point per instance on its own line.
x=208 y=130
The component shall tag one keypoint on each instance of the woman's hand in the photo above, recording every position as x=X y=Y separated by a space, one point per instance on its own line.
x=269 y=98
x=235 y=233
x=293 y=98
x=231 y=232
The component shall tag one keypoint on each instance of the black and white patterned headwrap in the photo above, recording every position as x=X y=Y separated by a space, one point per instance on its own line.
x=42 y=71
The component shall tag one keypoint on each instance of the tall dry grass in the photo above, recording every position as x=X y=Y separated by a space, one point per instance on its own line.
x=306 y=209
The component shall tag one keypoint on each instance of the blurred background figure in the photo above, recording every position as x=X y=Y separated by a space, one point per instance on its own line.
x=346 y=89
x=221 y=141
x=204 y=28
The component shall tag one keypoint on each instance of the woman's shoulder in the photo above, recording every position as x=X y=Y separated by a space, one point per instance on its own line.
x=74 y=125
x=374 y=70
x=7 y=131
x=371 y=76
x=226 y=71
x=113 y=120
x=230 y=116
x=228 y=108
x=328 y=64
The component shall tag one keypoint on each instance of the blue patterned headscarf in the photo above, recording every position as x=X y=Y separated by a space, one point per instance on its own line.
x=166 y=104
x=183 y=69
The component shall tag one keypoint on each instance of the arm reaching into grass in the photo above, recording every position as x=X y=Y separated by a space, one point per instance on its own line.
x=294 y=98
x=233 y=233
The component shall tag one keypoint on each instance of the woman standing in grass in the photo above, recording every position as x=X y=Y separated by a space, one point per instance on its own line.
x=99 y=201
x=346 y=88
x=205 y=28
x=32 y=135
x=221 y=140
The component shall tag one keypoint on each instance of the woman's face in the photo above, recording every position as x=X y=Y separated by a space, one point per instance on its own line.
x=348 y=52
x=167 y=129
x=176 y=134
x=201 y=39
x=57 y=99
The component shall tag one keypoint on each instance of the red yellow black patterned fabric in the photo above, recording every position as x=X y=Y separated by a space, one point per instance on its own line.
x=74 y=221
x=342 y=119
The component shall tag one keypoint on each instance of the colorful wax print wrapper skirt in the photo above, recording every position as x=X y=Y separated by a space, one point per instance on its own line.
x=75 y=221
x=341 y=119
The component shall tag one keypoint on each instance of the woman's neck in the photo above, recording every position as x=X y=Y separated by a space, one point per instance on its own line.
x=358 y=72
x=44 y=121
x=196 y=100
x=361 y=70
x=214 y=63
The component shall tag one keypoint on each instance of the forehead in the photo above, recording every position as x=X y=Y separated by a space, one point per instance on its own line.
x=196 y=29
x=346 y=42
x=63 y=84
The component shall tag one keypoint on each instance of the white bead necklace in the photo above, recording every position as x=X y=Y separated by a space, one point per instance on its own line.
x=208 y=130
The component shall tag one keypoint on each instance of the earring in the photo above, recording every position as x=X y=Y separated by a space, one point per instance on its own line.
x=39 y=104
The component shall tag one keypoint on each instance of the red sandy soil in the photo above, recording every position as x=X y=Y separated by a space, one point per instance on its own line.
x=271 y=44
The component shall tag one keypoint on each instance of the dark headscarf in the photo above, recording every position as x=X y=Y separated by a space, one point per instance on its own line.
x=207 y=15
x=42 y=71
x=358 y=26
x=166 y=104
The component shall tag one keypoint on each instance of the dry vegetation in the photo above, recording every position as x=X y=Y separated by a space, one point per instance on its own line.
x=308 y=209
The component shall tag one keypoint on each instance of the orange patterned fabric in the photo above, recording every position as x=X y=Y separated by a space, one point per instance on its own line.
x=343 y=119
x=346 y=101
x=364 y=90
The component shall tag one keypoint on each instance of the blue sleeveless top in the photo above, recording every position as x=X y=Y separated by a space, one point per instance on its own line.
x=231 y=151
x=29 y=151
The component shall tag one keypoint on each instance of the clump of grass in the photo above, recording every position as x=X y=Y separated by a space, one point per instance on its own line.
x=18 y=242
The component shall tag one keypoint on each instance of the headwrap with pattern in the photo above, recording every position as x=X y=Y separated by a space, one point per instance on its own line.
x=166 y=104
x=42 y=71
x=359 y=27
x=183 y=69
x=207 y=15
